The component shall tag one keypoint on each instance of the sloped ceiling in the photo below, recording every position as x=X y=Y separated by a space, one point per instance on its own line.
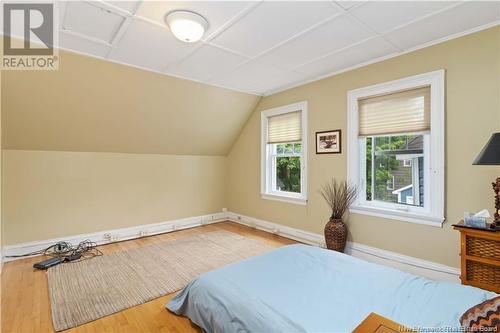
x=98 y=106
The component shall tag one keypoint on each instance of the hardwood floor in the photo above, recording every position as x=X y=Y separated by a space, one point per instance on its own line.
x=25 y=305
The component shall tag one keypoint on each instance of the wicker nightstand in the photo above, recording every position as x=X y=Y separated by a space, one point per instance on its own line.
x=480 y=257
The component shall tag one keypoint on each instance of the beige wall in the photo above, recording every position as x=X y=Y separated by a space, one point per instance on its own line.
x=96 y=146
x=1 y=224
x=472 y=114
x=96 y=105
x=53 y=194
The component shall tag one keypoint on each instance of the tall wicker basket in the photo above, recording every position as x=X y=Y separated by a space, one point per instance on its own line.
x=336 y=235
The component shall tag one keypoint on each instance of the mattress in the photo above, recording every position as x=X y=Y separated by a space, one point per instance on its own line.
x=300 y=288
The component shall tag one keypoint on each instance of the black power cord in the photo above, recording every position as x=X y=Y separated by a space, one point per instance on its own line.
x=66 y=251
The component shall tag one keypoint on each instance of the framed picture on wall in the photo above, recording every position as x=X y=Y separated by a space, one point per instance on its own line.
x=329 y=142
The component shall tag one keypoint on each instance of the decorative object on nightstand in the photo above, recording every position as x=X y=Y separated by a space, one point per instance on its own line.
x=480 y=257
x=339 y=197
x=490 y=155
x=375 y=323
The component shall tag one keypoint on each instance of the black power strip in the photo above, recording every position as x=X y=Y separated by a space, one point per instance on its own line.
x=56 y=261
x=48 y=263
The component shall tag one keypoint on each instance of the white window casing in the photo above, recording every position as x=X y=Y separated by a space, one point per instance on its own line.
x=432 y=212
x=288 y=119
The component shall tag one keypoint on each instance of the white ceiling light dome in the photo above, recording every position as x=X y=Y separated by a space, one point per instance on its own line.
x=186 y=26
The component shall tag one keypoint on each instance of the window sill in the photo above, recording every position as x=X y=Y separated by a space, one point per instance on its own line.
x=397 y=215
x=284 y=198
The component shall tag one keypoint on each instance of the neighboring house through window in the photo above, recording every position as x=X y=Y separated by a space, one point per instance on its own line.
x=284 y=152
x=396 y=148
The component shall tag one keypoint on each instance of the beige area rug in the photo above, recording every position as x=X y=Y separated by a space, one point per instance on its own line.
x=84 y=291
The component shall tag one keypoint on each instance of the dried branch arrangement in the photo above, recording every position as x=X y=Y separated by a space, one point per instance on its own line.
x=339 y=196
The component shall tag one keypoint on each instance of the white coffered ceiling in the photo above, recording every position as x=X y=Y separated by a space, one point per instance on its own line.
x=263 y=47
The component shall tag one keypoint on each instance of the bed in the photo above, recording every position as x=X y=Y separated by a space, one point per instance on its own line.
x=301 y=288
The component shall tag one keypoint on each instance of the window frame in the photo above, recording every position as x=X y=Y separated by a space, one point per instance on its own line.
x=434 y=161
x=266 y=189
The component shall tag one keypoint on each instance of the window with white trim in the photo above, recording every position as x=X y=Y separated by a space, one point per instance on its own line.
x=396 y=149
x=284 y=153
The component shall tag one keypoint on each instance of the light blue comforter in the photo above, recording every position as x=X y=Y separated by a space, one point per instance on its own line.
x=302 y=288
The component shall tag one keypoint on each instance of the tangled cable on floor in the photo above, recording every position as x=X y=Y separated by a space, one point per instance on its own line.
x=64 y=250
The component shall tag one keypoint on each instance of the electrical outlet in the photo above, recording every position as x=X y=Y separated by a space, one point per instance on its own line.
x=107 y=236
x=143 y=233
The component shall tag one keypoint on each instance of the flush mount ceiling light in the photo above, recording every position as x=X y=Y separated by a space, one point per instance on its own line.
x=186 y=26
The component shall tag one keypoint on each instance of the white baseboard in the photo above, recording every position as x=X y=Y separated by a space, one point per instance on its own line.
x=116 y=235
x=409 y=264
x=402 y=262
